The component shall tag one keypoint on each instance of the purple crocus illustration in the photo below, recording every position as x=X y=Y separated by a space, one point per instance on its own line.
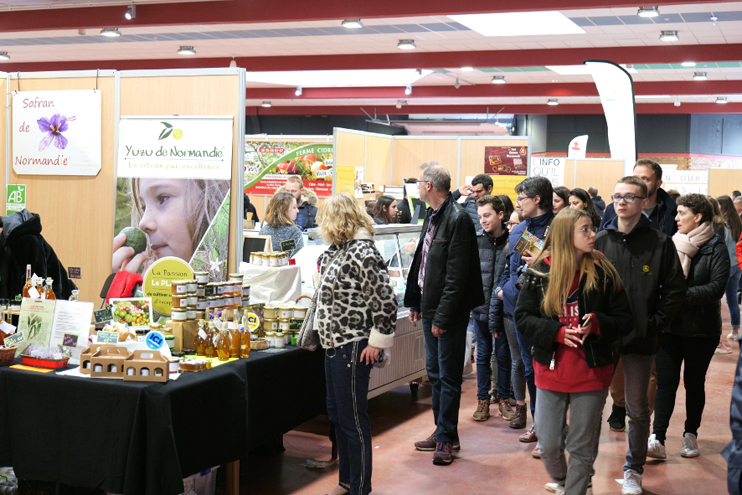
x=54 y=127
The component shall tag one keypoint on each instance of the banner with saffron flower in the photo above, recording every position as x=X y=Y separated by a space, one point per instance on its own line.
x=56 y=132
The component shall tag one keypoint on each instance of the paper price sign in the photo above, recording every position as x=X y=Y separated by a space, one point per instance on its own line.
x=15 y=339
x=108 y=337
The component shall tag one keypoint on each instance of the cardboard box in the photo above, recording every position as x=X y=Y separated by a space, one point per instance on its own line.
x=146 y=366
x=185 y=334
x=108 y=362
x=87 y=354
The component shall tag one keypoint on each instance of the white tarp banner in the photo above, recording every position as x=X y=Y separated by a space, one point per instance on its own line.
x=57 y=132
x=551 y=167
x=616 y=90
x=577 y=147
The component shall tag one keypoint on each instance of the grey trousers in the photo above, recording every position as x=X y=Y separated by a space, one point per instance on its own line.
x=585 y=417
x=637 y=370
x=518 y=371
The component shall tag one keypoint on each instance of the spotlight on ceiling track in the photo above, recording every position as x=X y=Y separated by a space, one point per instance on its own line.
x=408 y=90
x=648 y=11
x=457 y=84
x=131 y=12
x=298 y=91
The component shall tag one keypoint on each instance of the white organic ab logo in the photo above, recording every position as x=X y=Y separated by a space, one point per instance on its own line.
x=16 y=196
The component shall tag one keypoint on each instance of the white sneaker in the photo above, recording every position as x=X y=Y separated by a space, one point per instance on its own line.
x=690 y=446
x=554 y=488
x=655 y=449
x=722 y=348
x=632 y=483
x=733 y=336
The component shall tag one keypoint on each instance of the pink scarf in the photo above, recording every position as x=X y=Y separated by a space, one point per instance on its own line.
x=688 y=244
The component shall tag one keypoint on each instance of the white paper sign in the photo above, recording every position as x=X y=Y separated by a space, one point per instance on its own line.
x=175 y=147
x=57 y=132
x=71 y=325
x=551 y=167
x=685 y=181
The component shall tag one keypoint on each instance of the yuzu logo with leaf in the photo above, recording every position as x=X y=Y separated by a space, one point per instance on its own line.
x=170 y=130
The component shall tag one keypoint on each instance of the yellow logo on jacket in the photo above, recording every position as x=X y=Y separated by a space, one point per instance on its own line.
x=645 y=268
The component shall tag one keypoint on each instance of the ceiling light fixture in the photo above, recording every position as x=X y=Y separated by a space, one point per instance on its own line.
x=266 y=104
x=552 y=102
x=519 y=23
x=4 y=56
x=408 y=90
x=399 y=103
x=688 y=64
x=406 y=45
x=298 y=91
x=700 y=76
x=648 y=11
x=457 y=84
x=186 y=50
x=233 y=63
x=467 y=68
x=722 y=100
x=677 y=101
x=352 y=24
x=498 y=80
x=669 y=36
x=110 y=32
x=131 y=12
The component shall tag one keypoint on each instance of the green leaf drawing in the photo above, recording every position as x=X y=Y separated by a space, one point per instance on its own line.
x=165 y=133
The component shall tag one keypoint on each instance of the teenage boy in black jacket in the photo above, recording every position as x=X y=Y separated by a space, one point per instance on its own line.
x=444 y=284
x=650 y=270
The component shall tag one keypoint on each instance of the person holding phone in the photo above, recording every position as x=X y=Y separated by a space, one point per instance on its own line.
x=572 y=308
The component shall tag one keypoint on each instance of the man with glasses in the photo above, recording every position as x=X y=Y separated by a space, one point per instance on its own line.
x=481 y=185
x=650 y=270
x=444 y=284
x=660 y=208
x=535 y=197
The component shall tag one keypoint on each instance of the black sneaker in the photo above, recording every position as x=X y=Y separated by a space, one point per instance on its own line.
x=617 y=419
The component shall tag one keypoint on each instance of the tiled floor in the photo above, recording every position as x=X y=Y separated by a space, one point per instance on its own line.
x=492 y=460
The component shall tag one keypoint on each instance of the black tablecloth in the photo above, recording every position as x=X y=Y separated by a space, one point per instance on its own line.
x=143 y=438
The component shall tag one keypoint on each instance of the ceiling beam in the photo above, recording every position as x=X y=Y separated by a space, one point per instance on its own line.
x=563 y=109
x=250 y=11
x=665 y=54
x=552 y=90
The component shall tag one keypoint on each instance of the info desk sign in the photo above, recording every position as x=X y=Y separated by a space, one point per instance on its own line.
x=57 y=132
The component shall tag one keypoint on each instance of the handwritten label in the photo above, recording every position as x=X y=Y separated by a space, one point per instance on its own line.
x=108 y=337
x=74 y=271
x=288 y=245
x=70 y=340
x=15 y=339
x=103 y=315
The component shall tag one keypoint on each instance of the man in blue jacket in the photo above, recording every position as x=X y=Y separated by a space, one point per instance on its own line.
x=535 y=197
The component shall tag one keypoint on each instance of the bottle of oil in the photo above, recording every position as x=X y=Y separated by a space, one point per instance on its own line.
x=223 y=343
x=209 y=349
x=244 y=333
x=28 y=286
x=200 y=341
x=48 y=292
x=234 y=331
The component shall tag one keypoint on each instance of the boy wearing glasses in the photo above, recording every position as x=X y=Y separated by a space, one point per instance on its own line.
x=650 y=269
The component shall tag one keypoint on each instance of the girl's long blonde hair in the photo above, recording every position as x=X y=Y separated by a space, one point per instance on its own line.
x=340 y=217
x=559 y=245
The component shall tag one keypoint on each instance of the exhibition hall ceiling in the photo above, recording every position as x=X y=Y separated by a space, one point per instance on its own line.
x=289 y=44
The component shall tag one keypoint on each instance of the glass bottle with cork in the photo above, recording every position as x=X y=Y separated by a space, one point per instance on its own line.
x=209 y=349
x=244 y=332
x=223 y=342
x=235 y=337
x=48 y=292
x=27 y=288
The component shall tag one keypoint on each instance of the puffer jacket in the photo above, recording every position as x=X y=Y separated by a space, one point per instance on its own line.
x=491 y=250
x=650 y=270
x=356 y=300
x=453 y=279
x=700 y=313
x=609 y=305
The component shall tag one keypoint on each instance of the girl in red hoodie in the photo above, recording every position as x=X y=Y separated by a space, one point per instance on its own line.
x=572 y=307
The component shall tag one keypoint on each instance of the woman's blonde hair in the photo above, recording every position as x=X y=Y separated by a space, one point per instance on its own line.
x=278 y=207
x=559 y=245
x=202 y=201
x=340 y=216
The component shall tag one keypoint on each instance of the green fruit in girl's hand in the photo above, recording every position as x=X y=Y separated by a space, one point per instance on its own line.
x=135 y=239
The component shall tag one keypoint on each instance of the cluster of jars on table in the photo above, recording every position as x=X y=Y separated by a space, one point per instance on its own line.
x=191 y=296
x=270 y=258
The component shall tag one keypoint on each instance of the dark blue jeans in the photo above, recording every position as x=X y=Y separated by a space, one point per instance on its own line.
x=484 y=358
x=525 y=354
x=444 y=362
x=347 y=406
x=731 y=294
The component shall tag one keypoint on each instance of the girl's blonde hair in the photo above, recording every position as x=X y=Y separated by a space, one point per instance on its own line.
x=559 y=245
x=202 y=200
x=340 y=216
x=276 y=214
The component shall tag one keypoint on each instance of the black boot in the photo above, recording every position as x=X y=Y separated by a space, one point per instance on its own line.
x=617 y=419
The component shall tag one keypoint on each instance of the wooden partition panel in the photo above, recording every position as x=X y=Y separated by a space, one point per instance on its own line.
x=410 y=153
x=472 y=155
x=207 y=94
x=379 y=160
x=723 y=180
x=602 y=174
x=77 y=212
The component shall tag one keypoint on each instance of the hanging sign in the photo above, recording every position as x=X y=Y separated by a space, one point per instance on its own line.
x=269 y=163
x=57 y=132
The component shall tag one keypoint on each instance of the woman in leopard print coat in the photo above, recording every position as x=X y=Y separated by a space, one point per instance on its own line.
x=356 y=315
